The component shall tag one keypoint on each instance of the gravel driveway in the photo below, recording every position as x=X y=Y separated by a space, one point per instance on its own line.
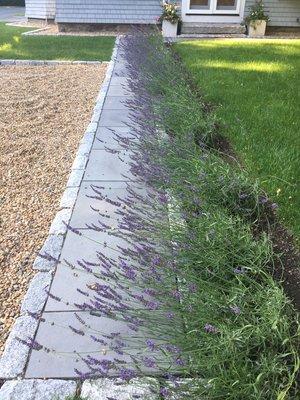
x=43 y=114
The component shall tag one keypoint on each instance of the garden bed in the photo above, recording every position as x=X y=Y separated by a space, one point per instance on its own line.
x=241 y=331
x=43 y=114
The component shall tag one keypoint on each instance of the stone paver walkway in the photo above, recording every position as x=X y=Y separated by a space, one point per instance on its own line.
x=111 y=172
x=99 y=189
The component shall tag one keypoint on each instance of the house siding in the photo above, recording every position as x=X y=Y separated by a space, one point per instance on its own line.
x=108 y=11
x=281 y=12
x=40 y=9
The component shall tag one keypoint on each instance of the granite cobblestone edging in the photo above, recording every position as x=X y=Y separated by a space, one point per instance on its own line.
x=98 y=389
x=46 y=63
x=14 y=358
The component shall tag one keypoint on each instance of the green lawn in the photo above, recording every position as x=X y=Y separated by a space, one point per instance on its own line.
x=15 y=46
x=255 y=84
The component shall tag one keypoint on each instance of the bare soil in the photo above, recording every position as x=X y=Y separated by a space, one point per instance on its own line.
x=44 y=111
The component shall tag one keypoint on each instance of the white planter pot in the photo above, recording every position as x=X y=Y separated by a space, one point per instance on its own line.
x=257 y=28
x=169 y=30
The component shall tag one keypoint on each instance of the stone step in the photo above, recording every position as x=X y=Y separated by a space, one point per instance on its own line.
x=190 y=28
x=210 y=36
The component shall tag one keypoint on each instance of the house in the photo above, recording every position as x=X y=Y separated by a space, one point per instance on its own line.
x=198 y=16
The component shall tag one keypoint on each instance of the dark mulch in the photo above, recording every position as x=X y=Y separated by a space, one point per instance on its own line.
x=223 y=146
x=286 y=267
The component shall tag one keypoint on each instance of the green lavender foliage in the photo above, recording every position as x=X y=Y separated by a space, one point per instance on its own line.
x=242 y=333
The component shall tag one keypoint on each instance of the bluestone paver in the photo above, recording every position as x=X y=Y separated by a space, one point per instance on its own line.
x=72 y=348
x=115 y=103
x=119 y=90
x=65 y=338
x=105 y=166
x=109 y=137
x=114 y=118
x=85 y=209
x=119 y=80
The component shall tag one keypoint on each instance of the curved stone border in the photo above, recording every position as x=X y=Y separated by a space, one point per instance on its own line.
x=49 y=62
x=15 y=355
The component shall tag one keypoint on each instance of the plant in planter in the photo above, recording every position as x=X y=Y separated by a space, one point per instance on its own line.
x=257 y=20
x=169 y=19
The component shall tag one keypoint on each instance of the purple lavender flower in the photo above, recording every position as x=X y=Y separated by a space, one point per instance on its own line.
x=171 y=348
x=98 y=340
x=77 y=331
x=150 y=292
x=176 y=294
x=170 y=315
x=193 y=287
x=126 y=374
x=82 y=375
x=263 y=199
x=209 y=328
x=150 y=344
x=31 y=343
x=274 y=206
x=149 y=362
x=129 y=272
x=235 y=309
x=179 y=361
x=152 y=305
x=156 y=260
x=52 y=296
x=239 y=271
x=48 y=257
x=164 y=392
x=35 y=315
x=243 y=195
x=74 y=230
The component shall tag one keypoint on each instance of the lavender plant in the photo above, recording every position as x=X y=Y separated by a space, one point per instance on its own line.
x=183 y=257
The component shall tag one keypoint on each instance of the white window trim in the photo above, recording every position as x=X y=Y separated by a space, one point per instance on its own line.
x=213 y=8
